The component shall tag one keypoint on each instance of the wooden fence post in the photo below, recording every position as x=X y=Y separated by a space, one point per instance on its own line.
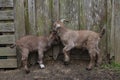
x=31 y=17
x=56 y=16
x=117 y=30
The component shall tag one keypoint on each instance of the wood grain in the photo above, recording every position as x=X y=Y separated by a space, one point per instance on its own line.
x=8 y=63
x=7 y=27
x=6 y=51
x=7 y=15
x=6 y=3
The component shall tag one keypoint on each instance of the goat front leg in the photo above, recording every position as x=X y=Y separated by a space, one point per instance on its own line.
x=66 y=50
x=40 y=53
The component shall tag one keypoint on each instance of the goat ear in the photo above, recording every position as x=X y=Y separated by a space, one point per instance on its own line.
x=64 y=20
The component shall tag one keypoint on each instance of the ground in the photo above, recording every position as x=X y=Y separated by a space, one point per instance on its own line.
x=55 y=70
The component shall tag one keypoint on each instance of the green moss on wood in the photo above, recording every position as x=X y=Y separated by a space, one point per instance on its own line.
x=82 y=16
x=40 y=25
x=27 y=26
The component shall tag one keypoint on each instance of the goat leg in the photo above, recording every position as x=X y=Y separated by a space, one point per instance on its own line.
x=92 y=60
x=40 y=53
x=66 y=58
x=25 y=60
x=66 y=52
x=99 y=60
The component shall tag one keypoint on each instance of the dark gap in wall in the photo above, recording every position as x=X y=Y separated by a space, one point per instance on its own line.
x=3 y=57
x=10 y=20
x=76 y=54
x=7 y=33
x=6 y=8
x=1 y=33
x=3 y=45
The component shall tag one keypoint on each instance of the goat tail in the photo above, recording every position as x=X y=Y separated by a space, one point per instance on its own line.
x=102 y=32
x=13 y=45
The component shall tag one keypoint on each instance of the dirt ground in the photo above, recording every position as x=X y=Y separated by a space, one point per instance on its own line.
x=55 y=70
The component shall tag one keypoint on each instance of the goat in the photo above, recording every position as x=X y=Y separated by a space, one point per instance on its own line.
x=30 y=43
x=79 y=39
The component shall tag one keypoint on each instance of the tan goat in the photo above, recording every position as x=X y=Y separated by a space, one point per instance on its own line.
x=79 y=39
x=30 y=43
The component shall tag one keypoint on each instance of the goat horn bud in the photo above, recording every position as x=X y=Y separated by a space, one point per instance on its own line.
x=62 y=20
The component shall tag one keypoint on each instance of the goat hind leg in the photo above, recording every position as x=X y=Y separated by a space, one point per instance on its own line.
x=92 y=60
x=25 y=53
x=99 y=57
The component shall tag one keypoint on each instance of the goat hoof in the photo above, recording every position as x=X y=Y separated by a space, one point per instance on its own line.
x=42 y=66
x=88 y=69
x=27 y=71
x=66 y=63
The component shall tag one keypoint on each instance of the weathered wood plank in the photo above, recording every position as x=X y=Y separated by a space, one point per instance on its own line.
x=112 y=37
x=7 y=27
x=6 y=3
x=6 y=51
x=7 y=39
x=32 y=17
x=109 y=26
x=7 y=15
x=86 y=13
x=19 y=22
x=8 y=63
x=43 y=17
x=69 y=9
x=117 y=30
x=81 y=15
x=55 y=9
x=56 y=16
x=19 y=18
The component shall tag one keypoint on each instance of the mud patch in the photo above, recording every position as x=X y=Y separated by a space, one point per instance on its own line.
x=55 y=70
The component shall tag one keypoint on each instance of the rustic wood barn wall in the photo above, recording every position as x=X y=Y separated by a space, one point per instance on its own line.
x=22 y=17
x=83 y=14
x=7 y=35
